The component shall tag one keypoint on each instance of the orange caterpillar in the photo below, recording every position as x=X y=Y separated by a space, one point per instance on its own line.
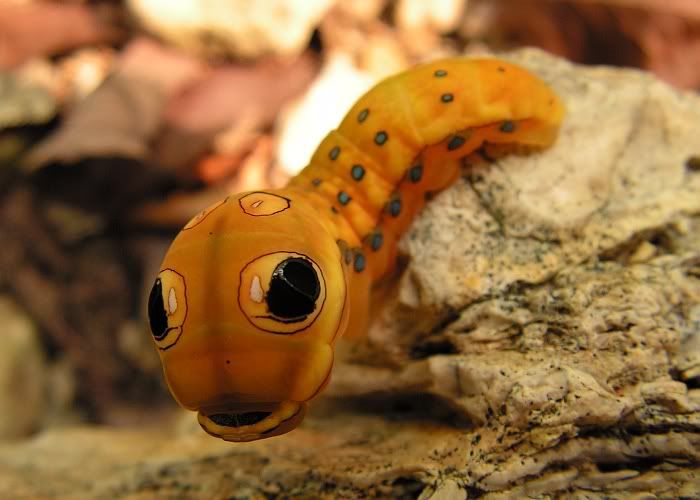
x=256 y=289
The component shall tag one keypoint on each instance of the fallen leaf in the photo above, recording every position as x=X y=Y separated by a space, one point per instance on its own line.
x=243 y=97
x=233 y=91
x=30 y=29
x=121 y=118
x=662 y=36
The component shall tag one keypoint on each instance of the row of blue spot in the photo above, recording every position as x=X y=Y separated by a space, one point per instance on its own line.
x=414 y=174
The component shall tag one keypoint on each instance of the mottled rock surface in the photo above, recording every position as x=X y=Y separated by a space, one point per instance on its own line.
x=543 y=339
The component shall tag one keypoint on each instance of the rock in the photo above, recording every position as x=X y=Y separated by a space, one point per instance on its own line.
x=542 y=339
x=572 y=305
x=242 y=28
x=22 y=373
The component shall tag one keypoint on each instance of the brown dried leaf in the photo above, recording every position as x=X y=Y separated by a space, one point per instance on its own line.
x=239 y=97
x=232 y=92
x=30 y=29
x=688 y=9
x=657 y=35
x=122 y=116
x=670 y=44
x=77 y=295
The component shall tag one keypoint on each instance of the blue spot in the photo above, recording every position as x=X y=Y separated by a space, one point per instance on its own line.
x=360 y=262
x=362 y=116
x=333 y=154
x=507 y=127
x=357 y=172
x=415 y=173
x=440 y=73
x=395 y=207
x=447 y=98
x=380 y=138
x=344 y=198
x=456 y=142
x=376 y=241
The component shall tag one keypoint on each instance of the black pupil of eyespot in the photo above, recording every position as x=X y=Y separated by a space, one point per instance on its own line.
x=294 y=289
x=157 y=317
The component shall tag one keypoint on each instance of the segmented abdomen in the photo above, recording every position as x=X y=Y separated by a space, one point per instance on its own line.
x=403 y=139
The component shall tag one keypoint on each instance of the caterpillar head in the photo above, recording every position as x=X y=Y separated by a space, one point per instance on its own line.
x=245 y=310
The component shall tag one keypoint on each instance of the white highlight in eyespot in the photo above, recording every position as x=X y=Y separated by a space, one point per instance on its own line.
x=256 y=291
x=172 y=301
x=256 y=204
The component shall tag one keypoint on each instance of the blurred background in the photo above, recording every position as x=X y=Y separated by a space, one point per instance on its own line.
x=119 y=120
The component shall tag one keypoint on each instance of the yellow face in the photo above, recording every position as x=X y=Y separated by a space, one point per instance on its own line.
x=245 y=310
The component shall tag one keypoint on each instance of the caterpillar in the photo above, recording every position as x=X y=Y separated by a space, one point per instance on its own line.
x=255 y=290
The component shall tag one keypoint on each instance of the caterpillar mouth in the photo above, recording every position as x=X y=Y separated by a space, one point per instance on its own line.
x=251 y=422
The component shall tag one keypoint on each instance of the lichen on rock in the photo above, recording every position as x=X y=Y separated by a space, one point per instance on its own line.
x=543 y=338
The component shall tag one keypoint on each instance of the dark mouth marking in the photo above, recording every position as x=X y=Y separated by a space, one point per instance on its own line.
x=282 y=422
x=239 y=419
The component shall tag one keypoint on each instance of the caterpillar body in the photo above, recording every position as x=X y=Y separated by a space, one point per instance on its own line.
x=255 y=290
